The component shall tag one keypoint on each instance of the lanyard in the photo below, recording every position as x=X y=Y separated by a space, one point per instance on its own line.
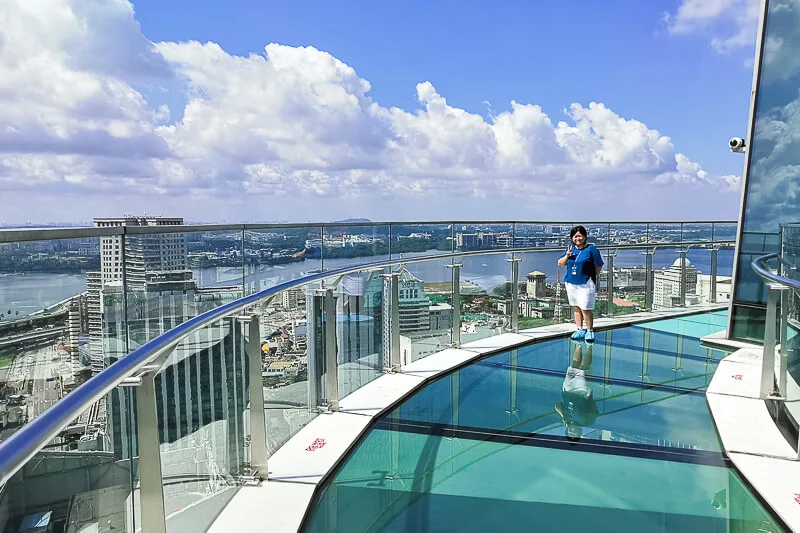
x=580 y=251
x=575 y=263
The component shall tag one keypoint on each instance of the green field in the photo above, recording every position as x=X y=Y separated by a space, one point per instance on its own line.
x=525 y=322
x=5 y=361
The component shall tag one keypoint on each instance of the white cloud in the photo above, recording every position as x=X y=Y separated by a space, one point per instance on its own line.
x=293 y=124
x=732 y=24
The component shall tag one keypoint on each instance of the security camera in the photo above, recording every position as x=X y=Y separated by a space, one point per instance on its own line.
x=736 y=144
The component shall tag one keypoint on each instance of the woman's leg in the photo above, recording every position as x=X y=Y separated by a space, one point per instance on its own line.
x=589 y=319
x=579 y=317
x=589 y=322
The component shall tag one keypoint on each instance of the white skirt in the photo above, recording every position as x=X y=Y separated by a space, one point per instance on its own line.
x=581 y=296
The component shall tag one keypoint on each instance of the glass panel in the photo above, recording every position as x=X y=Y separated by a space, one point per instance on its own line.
x=773 y=171
x=790 y=349
x=598 y=233
x=353 y=245
x=769 y=200
x=214 y=257
x=274 y=256
x=170 y=278
x=542 y=235
x=399 y=477
x=725 y=231
x=664 y=233
x=83 y=481
x=700 y=259
x=486 y=292
x=790 y=253
x=471 y=443
x=202 y=400
x=749 y=287
x=483 y=236
x=725 y=258
x=667 y=279
x=359 y=329
x=539 y=280
x=413 y=240
x=630 y=277
x=292 y=349
x=426 y=308
x=629 y=282
x=697 y=232
x=51 y=332
x=628 y=234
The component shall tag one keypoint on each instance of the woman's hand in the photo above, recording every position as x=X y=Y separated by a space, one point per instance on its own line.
x=563 y=260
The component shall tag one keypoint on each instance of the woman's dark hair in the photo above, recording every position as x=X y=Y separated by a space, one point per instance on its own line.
x=578 y=229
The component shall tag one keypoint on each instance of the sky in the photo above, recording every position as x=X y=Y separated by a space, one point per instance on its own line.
x=262 y=111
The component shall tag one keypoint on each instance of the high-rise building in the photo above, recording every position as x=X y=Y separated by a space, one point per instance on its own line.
x=667 y=285
x=414 y=306
x=537 y=282
x=143 y=254
x=77 y=325
x=293 y=298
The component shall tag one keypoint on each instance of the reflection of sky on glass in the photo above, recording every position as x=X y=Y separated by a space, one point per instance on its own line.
x=775 y=149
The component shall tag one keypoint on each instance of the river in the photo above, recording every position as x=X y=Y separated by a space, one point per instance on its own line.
x=23 y=294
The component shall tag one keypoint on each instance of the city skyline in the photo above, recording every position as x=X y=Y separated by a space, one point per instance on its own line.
x=323 y=117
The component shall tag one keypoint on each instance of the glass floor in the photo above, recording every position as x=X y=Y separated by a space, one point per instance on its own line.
x=555 y=436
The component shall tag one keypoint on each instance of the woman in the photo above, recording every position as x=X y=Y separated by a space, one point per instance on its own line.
x=578 y=408
x=583 y=263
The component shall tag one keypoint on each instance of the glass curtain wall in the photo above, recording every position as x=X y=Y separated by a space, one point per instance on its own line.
x=772 y=161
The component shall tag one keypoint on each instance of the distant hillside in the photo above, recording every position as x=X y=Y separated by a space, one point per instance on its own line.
x=350 y=220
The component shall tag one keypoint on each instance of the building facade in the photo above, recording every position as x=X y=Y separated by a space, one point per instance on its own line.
x=128 y=270
x=537 y=285
x=667 y=286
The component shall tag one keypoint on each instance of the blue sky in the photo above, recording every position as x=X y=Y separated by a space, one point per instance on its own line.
x=145 y=105
x=547 y=53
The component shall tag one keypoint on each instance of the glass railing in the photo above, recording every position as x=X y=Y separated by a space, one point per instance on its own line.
x=127 y=354
x=780 y=362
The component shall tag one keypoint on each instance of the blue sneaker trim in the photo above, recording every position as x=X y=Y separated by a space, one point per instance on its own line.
x=590 y=336
x=578 y=334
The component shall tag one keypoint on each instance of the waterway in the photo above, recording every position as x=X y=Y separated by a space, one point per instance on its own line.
x=23 y=294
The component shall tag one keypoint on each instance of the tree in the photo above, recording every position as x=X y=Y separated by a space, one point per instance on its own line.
x=504 y=290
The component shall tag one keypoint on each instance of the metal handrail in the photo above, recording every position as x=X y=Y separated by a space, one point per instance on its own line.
x=26 y=234
x=18 y=449
x=759 y=265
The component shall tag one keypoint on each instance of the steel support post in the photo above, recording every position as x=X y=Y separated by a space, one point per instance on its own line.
x=607 y=360
x=391 y=308
x=645 y=375
x=258 y=424
x=513 y=411
x=783 y=335
x=331 y=358
x=456 y=335
x=678 y=355
x=610 y=283
x=682 y=297
x=768 y=358
x=455 y=397
x=151 y=481
x=648 y=278
x=713 y=296
x=514 y=292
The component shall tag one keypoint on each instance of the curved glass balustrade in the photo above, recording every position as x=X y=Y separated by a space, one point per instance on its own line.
x=127 y=382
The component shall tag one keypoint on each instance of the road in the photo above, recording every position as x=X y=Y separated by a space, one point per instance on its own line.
x=45 y=334
x=46 y=386
x=42 y=367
